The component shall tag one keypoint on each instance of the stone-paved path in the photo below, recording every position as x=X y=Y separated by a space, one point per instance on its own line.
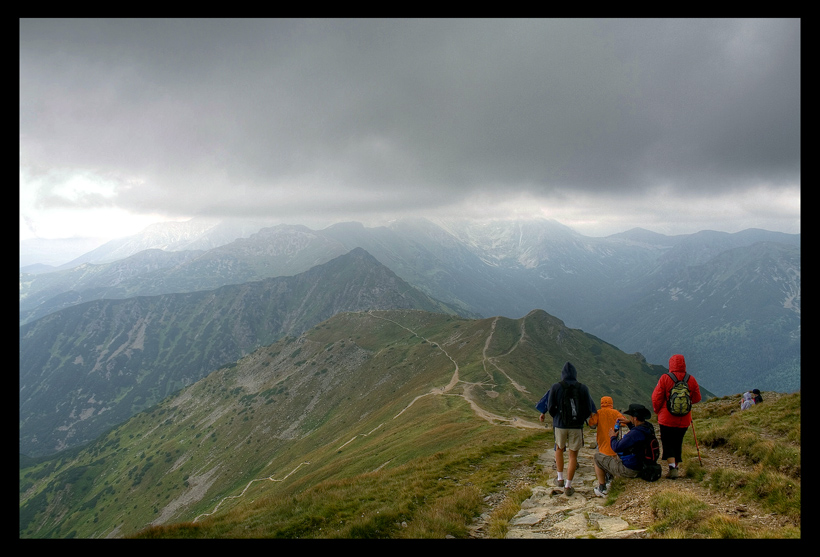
x=548 y=513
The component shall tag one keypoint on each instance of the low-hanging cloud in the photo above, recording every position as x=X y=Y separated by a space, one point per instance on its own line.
x=288 y=116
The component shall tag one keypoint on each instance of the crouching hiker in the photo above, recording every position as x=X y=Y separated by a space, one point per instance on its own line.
x=636 y=453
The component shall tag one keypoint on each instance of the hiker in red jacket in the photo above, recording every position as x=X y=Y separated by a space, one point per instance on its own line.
x=673 y=415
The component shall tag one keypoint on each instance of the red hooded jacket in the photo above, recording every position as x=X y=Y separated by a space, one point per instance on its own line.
x=677 y=365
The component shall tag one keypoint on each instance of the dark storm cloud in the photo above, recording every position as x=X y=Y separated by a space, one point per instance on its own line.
x=345 y=114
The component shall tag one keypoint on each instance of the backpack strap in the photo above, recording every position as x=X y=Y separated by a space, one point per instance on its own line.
x=675 y=379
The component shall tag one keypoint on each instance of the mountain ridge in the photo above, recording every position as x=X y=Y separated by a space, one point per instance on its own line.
x=88 y=367
x=509 y=268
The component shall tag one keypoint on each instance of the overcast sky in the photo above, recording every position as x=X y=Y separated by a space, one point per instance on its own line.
x=604 y=125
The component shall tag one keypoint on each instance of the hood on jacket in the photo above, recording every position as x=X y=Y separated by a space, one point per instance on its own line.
x=677 y=363
x=569 y=373
x=747 y=396
x=606 y=402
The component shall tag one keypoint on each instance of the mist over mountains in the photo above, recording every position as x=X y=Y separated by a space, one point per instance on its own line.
x=729 y=302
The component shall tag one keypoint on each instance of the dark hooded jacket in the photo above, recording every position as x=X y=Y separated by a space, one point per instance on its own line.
x=569 y=375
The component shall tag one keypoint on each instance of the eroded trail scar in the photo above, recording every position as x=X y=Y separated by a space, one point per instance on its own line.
x=269 y=479
x=515 y=384
x=467 y=391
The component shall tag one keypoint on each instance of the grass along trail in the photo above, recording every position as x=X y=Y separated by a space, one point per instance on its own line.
x=466 y=394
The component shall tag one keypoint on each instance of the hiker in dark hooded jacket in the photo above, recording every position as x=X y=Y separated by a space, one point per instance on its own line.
x=567 y=436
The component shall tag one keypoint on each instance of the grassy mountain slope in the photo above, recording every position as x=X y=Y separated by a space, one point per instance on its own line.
x=736 y=317
x=417 y=401
x=87 y=368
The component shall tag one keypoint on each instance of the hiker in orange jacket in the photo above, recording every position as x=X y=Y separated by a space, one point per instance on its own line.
x=604 y=420
x=672 y=427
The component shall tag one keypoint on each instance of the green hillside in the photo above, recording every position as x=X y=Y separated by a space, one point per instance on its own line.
x=397 y=398
x=89 y=367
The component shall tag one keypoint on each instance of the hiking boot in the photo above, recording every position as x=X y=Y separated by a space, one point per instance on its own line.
x=672 y=474
x=599 y=493
x=569 y=491
x=559 y=483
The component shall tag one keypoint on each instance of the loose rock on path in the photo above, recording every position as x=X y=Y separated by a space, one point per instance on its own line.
x=549 y=513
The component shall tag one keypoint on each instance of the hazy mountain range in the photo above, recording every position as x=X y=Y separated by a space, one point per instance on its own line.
x=99 y=342
x=88 y=367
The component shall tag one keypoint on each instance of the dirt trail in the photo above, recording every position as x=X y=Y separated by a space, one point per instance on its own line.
x=492 y=361
x=467 y=387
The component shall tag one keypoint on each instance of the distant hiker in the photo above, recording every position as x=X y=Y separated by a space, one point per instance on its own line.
x=748 y=401
x=757 y=398
x=604 y=420
x=627 y=461
x=672 y=401
x=569 y=404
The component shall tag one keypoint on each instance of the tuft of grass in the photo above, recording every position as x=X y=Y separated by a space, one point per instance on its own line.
x=674 y=512
x=448 y=516
x=181 y=530
x=498 y=525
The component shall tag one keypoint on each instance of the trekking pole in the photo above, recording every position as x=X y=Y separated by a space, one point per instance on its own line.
x=696 y=442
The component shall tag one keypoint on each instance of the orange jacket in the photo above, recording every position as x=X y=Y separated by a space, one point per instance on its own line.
x=677 y=365
x=604 y=420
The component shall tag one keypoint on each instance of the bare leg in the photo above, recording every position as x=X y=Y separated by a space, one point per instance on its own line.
x=573 y=464
x=559 y=460
x=599 y=473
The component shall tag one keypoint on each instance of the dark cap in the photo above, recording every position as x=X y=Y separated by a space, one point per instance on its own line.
x=639 y=411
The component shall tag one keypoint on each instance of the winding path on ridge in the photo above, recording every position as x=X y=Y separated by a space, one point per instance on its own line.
x=467 y=387
x=492 y=360
x=446 y=390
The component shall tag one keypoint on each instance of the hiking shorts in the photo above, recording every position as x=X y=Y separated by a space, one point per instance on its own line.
x=572 y=439
x=614 y=466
